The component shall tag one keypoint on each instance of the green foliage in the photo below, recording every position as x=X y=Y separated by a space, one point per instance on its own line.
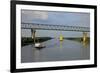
x=29 y=40
x=78 y=39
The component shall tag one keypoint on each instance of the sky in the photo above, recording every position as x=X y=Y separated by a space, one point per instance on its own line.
x=55 y=18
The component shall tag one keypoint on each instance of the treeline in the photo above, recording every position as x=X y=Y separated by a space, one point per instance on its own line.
x=78 y=39
x=29 y=40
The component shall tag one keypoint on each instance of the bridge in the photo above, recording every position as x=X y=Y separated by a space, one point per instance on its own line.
x=36 y=26
x=54 y=27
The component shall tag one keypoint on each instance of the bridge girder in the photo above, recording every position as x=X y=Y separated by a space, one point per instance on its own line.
x=54 y=27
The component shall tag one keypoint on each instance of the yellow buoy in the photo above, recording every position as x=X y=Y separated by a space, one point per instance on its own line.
x=61 y=38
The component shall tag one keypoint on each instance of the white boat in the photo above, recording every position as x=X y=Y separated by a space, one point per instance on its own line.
x=39 y=45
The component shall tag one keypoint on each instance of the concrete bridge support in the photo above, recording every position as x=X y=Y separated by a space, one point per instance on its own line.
x=84 y=37
x=33 y=34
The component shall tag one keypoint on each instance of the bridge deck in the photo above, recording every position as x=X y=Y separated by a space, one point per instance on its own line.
x=54 y=27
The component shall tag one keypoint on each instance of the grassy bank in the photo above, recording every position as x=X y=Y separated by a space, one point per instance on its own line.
x=29 y=40
x=78 y=39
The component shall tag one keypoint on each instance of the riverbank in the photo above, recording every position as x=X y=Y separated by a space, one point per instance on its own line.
x=78 y=39
x=29 y=40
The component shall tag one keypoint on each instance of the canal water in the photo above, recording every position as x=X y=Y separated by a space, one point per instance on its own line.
x=55 y=50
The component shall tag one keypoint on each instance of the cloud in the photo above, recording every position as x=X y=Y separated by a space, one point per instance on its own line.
x=35 y=14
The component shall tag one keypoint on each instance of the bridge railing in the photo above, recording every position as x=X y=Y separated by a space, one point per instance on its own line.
x=54 y=27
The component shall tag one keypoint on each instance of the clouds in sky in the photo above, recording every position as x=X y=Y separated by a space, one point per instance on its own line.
x=32 y=15
x=55 y=18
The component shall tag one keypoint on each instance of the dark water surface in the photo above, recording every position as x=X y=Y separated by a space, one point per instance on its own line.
x=55 y=51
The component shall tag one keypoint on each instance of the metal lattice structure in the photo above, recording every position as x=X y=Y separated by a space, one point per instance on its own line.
x=54 y=27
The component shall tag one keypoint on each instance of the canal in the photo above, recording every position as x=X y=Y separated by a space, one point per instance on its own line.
x=56 y=51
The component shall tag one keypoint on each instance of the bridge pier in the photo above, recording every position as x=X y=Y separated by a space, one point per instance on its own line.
x=33 y=34
x=84 y=37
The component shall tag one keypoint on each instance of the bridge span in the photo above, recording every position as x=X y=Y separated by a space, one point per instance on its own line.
x=36 y=26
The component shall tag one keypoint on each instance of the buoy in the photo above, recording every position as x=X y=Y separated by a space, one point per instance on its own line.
x=61 y=38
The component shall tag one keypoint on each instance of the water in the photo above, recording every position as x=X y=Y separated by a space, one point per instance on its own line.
x=55 y=51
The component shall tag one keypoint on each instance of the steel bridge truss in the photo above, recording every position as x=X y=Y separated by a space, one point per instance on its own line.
x=36 y=26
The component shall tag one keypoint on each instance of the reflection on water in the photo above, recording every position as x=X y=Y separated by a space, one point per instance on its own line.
x=56 y=50
x=61 y=44
x=85 y=44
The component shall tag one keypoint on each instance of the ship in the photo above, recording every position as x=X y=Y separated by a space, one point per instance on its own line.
x=39 y=45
